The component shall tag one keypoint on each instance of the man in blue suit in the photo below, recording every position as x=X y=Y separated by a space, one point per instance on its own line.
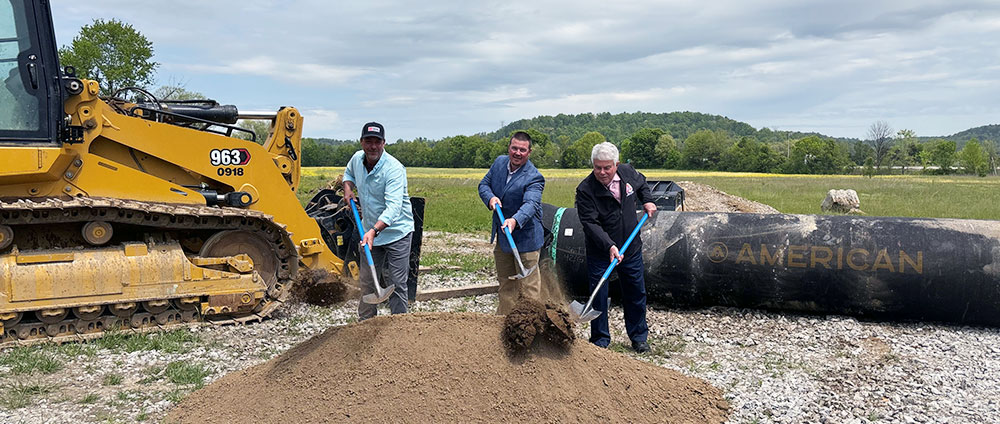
x=515 y=186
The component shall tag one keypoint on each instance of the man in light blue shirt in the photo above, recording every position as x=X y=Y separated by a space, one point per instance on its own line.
x=378 y=181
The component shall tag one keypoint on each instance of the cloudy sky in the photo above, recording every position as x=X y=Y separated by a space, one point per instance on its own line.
x=439 y=68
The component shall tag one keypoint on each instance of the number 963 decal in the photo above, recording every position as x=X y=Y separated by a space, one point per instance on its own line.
x=229 y=157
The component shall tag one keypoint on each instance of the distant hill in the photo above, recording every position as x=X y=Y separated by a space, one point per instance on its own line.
x=985 y=132
x=680 y=125
x=617 y=127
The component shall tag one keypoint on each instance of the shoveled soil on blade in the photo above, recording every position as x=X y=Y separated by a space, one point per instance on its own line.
x=450 y=367
x=531 y=322
x=321 y=288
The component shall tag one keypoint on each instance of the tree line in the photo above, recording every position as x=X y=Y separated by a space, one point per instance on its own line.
x=717 y=149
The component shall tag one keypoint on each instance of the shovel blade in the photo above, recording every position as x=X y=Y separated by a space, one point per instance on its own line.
x=582 y=314
x=378 y=297
x=588 y=316
x=524 y=274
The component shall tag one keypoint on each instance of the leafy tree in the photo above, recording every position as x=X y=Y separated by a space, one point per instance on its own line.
x=176 y=92
x=814 y=155
x=316 y=152
x=577 y=155
x=750 y=155
x=941 y=154
x=666 y=152
x=895 y=157
x=537 y=137
x=259 y=127
x=459 y=151
x=869 y=169
x=973 y=159
x=410 y=153
x=111 y=52
x=992 y=150
x=861 y=151
x=499 y=148
x=640 y=148
x=880 y=139
x=704 y=149
x=545 y=155
x=907 y=149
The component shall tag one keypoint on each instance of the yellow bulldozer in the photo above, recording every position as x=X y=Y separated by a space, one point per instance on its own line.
x=130 y=210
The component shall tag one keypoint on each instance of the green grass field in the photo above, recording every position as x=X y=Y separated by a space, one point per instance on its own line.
x=453 y=201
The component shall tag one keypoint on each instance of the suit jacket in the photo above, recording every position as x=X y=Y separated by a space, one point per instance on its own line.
x=607 y=222
x=521 y=199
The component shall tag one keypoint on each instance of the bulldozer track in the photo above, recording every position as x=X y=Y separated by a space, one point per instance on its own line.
x=159 y=216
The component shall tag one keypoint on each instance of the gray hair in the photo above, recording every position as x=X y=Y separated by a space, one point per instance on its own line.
x=604 y=151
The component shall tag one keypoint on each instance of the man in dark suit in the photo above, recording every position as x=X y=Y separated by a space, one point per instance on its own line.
x=607 y=201
x=515 y=186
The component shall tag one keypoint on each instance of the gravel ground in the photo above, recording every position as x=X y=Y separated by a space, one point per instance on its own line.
x=787 y=368
x=774 y=367
x=457 y=246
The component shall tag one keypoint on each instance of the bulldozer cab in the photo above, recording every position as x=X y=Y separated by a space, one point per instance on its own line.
x=30 y=92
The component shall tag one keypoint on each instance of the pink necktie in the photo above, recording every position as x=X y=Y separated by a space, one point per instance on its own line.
x=615 y=191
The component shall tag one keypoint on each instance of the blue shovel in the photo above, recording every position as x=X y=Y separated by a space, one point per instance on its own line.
x=524 y=273
x=381 y=294
x=588 y=313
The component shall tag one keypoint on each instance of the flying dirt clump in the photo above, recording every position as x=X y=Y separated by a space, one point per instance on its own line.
x=319 y=287
x=530 y=320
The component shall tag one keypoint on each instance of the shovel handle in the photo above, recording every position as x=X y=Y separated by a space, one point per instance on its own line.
x=634 y=232
x=506 y=231
x=614 y=261
x=361 y=232
x=510 y=239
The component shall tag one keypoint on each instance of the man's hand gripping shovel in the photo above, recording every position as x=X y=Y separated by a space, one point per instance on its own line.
x=581 y=313
x=517 y=257
x=381 y=294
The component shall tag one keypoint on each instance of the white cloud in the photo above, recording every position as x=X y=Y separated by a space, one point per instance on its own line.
x=303 y=73
x=390 y=101
x=939 y=76
x=438 y=68
x=319 y=121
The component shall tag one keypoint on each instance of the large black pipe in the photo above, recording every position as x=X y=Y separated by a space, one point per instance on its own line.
x=884 y=268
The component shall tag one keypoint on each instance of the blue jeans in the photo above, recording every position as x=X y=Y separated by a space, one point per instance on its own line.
x=633 y=284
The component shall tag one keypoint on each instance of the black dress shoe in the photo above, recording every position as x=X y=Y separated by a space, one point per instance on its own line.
x=641 y=347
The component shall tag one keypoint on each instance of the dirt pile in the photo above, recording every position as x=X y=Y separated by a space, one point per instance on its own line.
x=448 y=368
x=704 y=198
x=530 y=323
